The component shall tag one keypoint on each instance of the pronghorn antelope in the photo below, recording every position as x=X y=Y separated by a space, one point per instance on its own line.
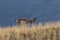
x=25 y=21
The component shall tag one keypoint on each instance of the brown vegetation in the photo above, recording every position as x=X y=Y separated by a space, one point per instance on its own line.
x=49 y=31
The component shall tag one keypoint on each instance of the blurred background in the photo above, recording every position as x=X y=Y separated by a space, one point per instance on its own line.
x=44 y=10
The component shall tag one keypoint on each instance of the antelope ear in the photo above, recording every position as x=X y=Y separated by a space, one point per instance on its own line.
x=16 y=20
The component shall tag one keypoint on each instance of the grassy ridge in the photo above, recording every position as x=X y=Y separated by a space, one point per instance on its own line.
x=49 y=31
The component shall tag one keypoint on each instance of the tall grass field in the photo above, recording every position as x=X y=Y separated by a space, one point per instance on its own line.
x=48 y=31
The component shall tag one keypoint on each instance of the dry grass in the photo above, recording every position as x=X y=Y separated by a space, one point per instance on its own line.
x=49 y=31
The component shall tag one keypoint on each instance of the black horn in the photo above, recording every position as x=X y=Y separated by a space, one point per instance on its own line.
x=34 y=19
